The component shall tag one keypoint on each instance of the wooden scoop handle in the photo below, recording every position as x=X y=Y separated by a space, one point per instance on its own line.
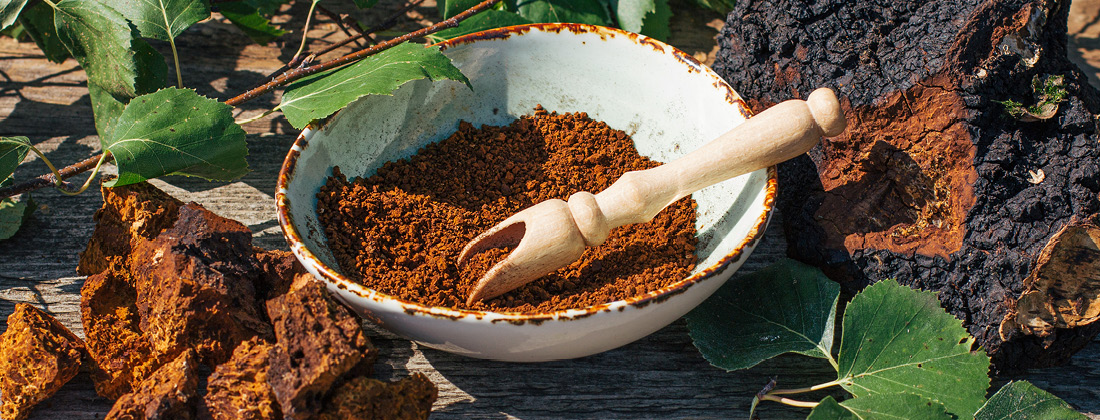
x=781 y=132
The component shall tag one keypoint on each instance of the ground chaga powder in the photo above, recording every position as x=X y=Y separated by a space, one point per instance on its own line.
x=400 y=231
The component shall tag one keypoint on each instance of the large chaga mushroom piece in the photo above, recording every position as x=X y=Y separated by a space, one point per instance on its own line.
x=364 y=398
x=972 y=145
x=195 y=286
x=170 y=393
x=319 y=342
x=37 y=356
x=130 y=214
x=238 y=389
x=122 y=355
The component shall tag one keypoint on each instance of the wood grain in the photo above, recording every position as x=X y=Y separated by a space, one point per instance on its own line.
x=660 y=376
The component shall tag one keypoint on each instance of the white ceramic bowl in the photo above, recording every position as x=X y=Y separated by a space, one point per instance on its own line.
x=668 y=102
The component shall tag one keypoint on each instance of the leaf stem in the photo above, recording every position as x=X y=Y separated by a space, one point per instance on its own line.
x=103 y=157
x=817 y=387
x=50 y=3
x=47 y=180
x=172 y=43
x=305 y=30
x=257 y=118
x=176 y=61
x=56 y=175
x=788 y=401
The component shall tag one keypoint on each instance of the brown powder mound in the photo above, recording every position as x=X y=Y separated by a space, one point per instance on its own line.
x=122 y=355
x=370 y=399
x=194 y=286
x=400 y=230
x=319 y=341
x=169 y=393
x=238 y=389
x=37 y=356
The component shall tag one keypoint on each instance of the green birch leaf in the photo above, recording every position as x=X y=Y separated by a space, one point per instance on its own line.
x=896 y=339
x=829 y=409
x=322 y=94
x=449 y=8
x=152 y=70
x=176 y=132
x=248 y=19
x=9 y=11
x=162 y=19
x=902 y=406
x=37 y=20
x=631 y=13
x=13 y=213
x=105 y=107
x=592 y=12
x=786 y=307
x=488 y=19
x=365 y=4
x=880 y=407
x=12 y=152
x=104 y=43
x=1021 y=400
x=656 y=24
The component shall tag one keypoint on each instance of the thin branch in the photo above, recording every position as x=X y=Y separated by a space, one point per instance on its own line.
x=295 y=74
x=48 y=180
x=386 y=24
x=282 y=79
x=305 y=29
x=340 y=22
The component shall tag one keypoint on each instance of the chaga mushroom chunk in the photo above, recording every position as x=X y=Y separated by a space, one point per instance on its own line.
x=130 y=214
x=238 y=389
x=169 y=393
x=319 y=341
x=37 y=356
x=278 y=269
x=363 y=398
x=122 y=355
x=195 y=289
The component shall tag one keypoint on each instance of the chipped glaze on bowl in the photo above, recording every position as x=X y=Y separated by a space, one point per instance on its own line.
x=667 y=101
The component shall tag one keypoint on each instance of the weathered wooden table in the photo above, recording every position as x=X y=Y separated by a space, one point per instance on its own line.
x=661 y=376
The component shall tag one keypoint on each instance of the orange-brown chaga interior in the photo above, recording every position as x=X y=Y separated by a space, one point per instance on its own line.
x=900 y=177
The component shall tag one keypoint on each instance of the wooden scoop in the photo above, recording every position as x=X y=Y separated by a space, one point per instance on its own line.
x=552 y=234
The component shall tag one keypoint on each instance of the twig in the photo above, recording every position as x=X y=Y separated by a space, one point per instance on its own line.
x=386 y=24
x=48 y=180
x=340 y=22
x=305 y=29
x=286 y=77
x=295 y=74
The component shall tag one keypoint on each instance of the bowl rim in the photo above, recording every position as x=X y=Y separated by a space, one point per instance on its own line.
x=334 y=278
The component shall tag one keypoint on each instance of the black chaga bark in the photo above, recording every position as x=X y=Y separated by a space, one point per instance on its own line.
x=936 y=183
